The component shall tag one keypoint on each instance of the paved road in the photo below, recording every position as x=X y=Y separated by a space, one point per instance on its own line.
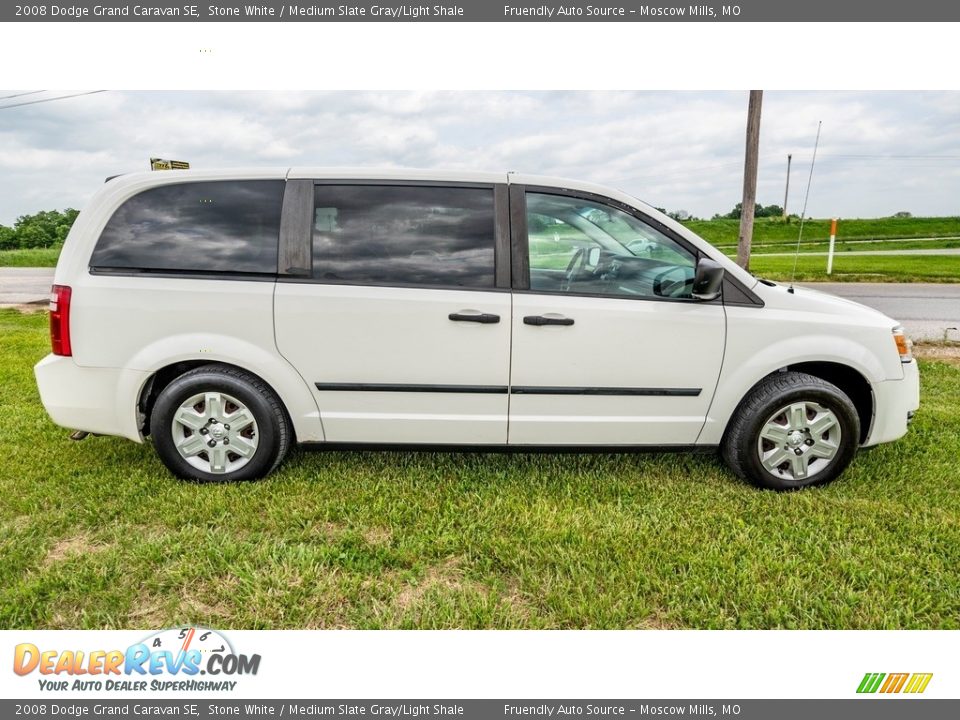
x=19 y=286
x=927 y=310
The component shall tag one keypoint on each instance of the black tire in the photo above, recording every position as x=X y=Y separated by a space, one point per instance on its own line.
x=740 y=446
x=273 y=429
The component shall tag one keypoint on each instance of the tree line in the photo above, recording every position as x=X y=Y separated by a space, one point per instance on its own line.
x=44 y=229
x=760 y=211
x=49 y=228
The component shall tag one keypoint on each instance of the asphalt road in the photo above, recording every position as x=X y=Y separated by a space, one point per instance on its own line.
x=929 y=311
x=21 y=286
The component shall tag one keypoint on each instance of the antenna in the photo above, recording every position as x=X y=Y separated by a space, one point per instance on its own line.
x=803 y=214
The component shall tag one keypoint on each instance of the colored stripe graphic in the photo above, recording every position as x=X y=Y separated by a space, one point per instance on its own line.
x=870 y=682
x=918 y=682
x=894 y=683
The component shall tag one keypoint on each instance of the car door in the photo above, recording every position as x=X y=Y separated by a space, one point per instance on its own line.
x=398 y=313
x=609 y=347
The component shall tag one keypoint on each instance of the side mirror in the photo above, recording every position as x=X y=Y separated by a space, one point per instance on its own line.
x=708 y=280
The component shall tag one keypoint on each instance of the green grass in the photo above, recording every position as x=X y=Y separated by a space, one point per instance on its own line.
x=35 y=257
x=553 y=248
x=773 y=230
x=771 y=235
x=96 y=534
x=856 y=246
x=860 y=268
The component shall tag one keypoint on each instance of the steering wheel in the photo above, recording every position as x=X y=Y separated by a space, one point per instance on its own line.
x=576 y=266
x=672 y=286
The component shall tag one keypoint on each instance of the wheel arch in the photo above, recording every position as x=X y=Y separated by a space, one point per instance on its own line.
x=847 y=378
x=853 y=384
x=751 y=357
x=166 y=374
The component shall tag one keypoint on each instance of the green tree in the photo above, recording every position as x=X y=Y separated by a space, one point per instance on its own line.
x=32 y=236
x=770 y=211
x=47 y=228
x=759 y=211
x=7 y=236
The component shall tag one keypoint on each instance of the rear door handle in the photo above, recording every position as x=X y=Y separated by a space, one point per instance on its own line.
x=546 y=320
x=485 y=318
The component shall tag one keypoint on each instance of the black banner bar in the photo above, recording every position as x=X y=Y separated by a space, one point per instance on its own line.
x=483 y=11
x=872 y=708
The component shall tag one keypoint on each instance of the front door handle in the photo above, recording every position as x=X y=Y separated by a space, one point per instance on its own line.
x=546 y=320
x=485 y=318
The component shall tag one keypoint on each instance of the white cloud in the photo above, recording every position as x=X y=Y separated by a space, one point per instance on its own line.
x=675 y=150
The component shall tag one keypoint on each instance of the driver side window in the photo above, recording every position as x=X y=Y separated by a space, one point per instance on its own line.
x=582 y=247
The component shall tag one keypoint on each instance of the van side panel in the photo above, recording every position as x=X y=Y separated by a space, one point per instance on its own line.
x=761 y=341
x=144 y=323
x=96 y=400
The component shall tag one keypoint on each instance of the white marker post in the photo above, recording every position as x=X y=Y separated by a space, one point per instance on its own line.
x=833 y=240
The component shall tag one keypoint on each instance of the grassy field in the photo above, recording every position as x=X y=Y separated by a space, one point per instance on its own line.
x=775 y=230
x=772 y=235
x=860 y=268
x=851 y=246
x=37 y=257
x=95 y=534
x=549 y=250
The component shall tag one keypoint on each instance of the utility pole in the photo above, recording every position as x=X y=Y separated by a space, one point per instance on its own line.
x=786 y=193
x=747 y=207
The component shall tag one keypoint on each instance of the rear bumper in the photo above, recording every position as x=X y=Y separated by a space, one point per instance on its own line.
x=97 y=400
x=895 y=404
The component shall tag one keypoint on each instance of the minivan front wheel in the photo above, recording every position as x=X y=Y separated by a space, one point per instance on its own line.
x=793 y=430
x=218 y=423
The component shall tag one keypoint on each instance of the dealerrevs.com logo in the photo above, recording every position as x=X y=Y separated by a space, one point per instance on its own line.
x=186 y=658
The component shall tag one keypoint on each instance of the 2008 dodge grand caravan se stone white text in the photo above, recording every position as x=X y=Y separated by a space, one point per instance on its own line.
x=230 y=314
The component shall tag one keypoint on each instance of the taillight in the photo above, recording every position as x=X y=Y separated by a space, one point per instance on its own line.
x=60 y=320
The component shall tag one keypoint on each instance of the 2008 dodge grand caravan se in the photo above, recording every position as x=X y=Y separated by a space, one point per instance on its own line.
x=230 y=314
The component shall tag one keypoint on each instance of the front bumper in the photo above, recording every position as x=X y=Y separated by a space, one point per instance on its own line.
x=895 y=402
x=97 y=400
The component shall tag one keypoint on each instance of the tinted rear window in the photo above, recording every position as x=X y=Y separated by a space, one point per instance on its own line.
x=404 y=235
x=209 y=227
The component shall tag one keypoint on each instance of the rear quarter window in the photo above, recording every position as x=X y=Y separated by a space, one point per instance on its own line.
x=203 y=227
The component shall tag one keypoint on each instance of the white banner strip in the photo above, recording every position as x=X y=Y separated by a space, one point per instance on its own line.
x=492 y=664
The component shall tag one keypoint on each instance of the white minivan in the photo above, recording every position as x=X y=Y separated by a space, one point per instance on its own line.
x=230 y=314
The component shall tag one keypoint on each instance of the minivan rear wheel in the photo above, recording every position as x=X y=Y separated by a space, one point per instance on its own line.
x=217 y=423
x=793 y=430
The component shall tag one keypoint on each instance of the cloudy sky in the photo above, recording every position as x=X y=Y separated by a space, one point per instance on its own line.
x=880 y=152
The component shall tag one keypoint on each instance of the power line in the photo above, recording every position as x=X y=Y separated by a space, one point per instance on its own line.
x=806 y=199
x=891 y=157
x=690 y=171
x=32 y=92
x=925 y=157
x=61 y=97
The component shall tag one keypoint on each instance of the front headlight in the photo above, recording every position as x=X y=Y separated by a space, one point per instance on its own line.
x=904 y=344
